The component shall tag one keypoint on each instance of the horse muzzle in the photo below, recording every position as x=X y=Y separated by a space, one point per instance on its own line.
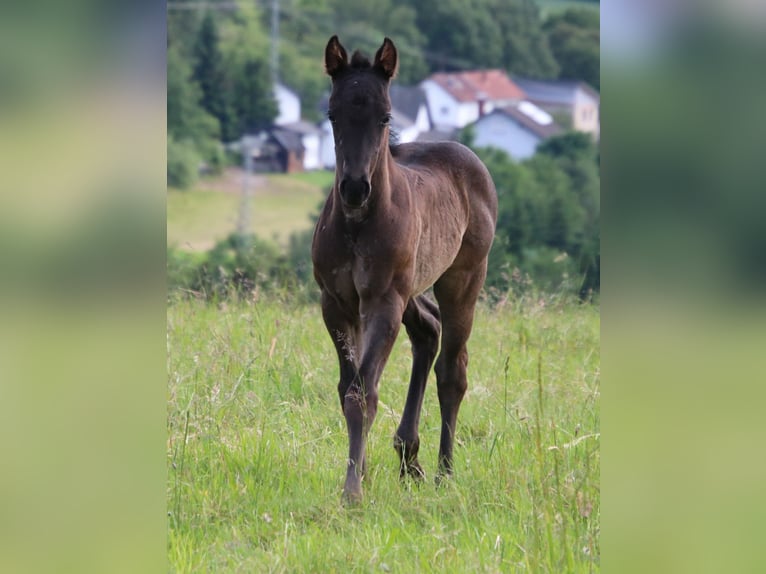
x=354 y=191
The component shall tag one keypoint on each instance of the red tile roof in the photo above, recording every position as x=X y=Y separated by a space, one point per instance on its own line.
x=492 y=85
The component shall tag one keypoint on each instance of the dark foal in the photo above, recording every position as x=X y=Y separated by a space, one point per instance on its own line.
x=399 y=220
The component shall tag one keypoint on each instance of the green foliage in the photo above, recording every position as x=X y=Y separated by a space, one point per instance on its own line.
x=485 y=34
x=252 y=100
x=574 y=37
x=209 y=72
x=182 y=269
x=218 y=65
x=239 y=266
x=548 y=219
x=525 y=46
x=250 y=103
x=193 y=133
x=186 y=119
x=183 y=163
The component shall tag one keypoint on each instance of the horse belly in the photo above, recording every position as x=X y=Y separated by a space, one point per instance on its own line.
x=435 y=255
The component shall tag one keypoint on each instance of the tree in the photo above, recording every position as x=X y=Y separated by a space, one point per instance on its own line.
x=525 y=46
x=186 y=119
x=574 y=37
x=459 y=36
x=209 y=70
x=485 y=34
x=548 y=216
x=249 y=91
x=577 y=156
x=252 y=98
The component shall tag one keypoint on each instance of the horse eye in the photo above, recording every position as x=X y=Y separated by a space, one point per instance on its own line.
x=384 y=121
x=331 y=117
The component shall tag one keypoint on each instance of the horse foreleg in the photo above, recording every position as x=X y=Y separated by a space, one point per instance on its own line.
x=421 y=319
x=380 y=325
x=344 y=332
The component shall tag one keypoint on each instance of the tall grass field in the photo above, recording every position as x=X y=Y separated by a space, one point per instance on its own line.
x=257 y=446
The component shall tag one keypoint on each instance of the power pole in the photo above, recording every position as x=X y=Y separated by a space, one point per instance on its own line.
x=274 y=42
x=247 y=143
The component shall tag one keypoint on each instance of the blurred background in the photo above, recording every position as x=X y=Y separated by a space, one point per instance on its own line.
x=87 y=169
x=683 y=285
x=251 y=152
x=82 y=300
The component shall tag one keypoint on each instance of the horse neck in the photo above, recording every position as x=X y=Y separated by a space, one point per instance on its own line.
x=384 y=175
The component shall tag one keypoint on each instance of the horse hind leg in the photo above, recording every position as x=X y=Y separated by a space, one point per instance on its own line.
x=421 y=319
x=457 y=293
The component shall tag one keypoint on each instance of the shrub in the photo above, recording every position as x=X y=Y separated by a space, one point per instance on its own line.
x=183 y=163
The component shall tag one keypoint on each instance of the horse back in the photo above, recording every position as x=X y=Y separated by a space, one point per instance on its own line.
x=457 y=203
x=451 y=172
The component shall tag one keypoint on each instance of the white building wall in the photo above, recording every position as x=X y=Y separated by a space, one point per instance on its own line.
x=289 y=105
x=409 y=134
x=585 y=114
x=327 y=146
x=467 y=113
x=443 y=107
x=500 y=131
x=422 y=122
x=311 y=155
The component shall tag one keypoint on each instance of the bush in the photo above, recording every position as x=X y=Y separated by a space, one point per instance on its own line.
x=183 y=164
x=240 y=266
x=213 y=156
x=547 y=236
x=182 y=269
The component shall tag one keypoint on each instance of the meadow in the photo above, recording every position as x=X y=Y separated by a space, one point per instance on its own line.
x=279 y=206
x=257 y=444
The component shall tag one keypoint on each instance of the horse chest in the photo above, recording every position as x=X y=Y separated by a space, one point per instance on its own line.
x=340 y=281
x=358 y=276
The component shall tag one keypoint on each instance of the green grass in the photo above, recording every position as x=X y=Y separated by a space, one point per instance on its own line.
x=280 y=205
x=257 y=443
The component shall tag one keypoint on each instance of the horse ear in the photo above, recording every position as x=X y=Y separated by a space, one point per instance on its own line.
x=335 y=57
x=386 y=59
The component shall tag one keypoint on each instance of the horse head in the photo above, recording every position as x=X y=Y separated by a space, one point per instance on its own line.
x=360 y=112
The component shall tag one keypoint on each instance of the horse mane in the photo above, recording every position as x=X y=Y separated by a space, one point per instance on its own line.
x=360 y=60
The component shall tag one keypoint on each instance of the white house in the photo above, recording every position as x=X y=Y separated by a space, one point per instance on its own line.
x=326 y=145
x=310 y=137
x=517 y=130
x=289 y=105
x=577 y=100
x=457 y=99
x=409 y=111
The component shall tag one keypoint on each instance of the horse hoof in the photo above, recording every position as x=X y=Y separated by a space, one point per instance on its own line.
x=351 y=497
x=442 y=477
x=413 y=470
